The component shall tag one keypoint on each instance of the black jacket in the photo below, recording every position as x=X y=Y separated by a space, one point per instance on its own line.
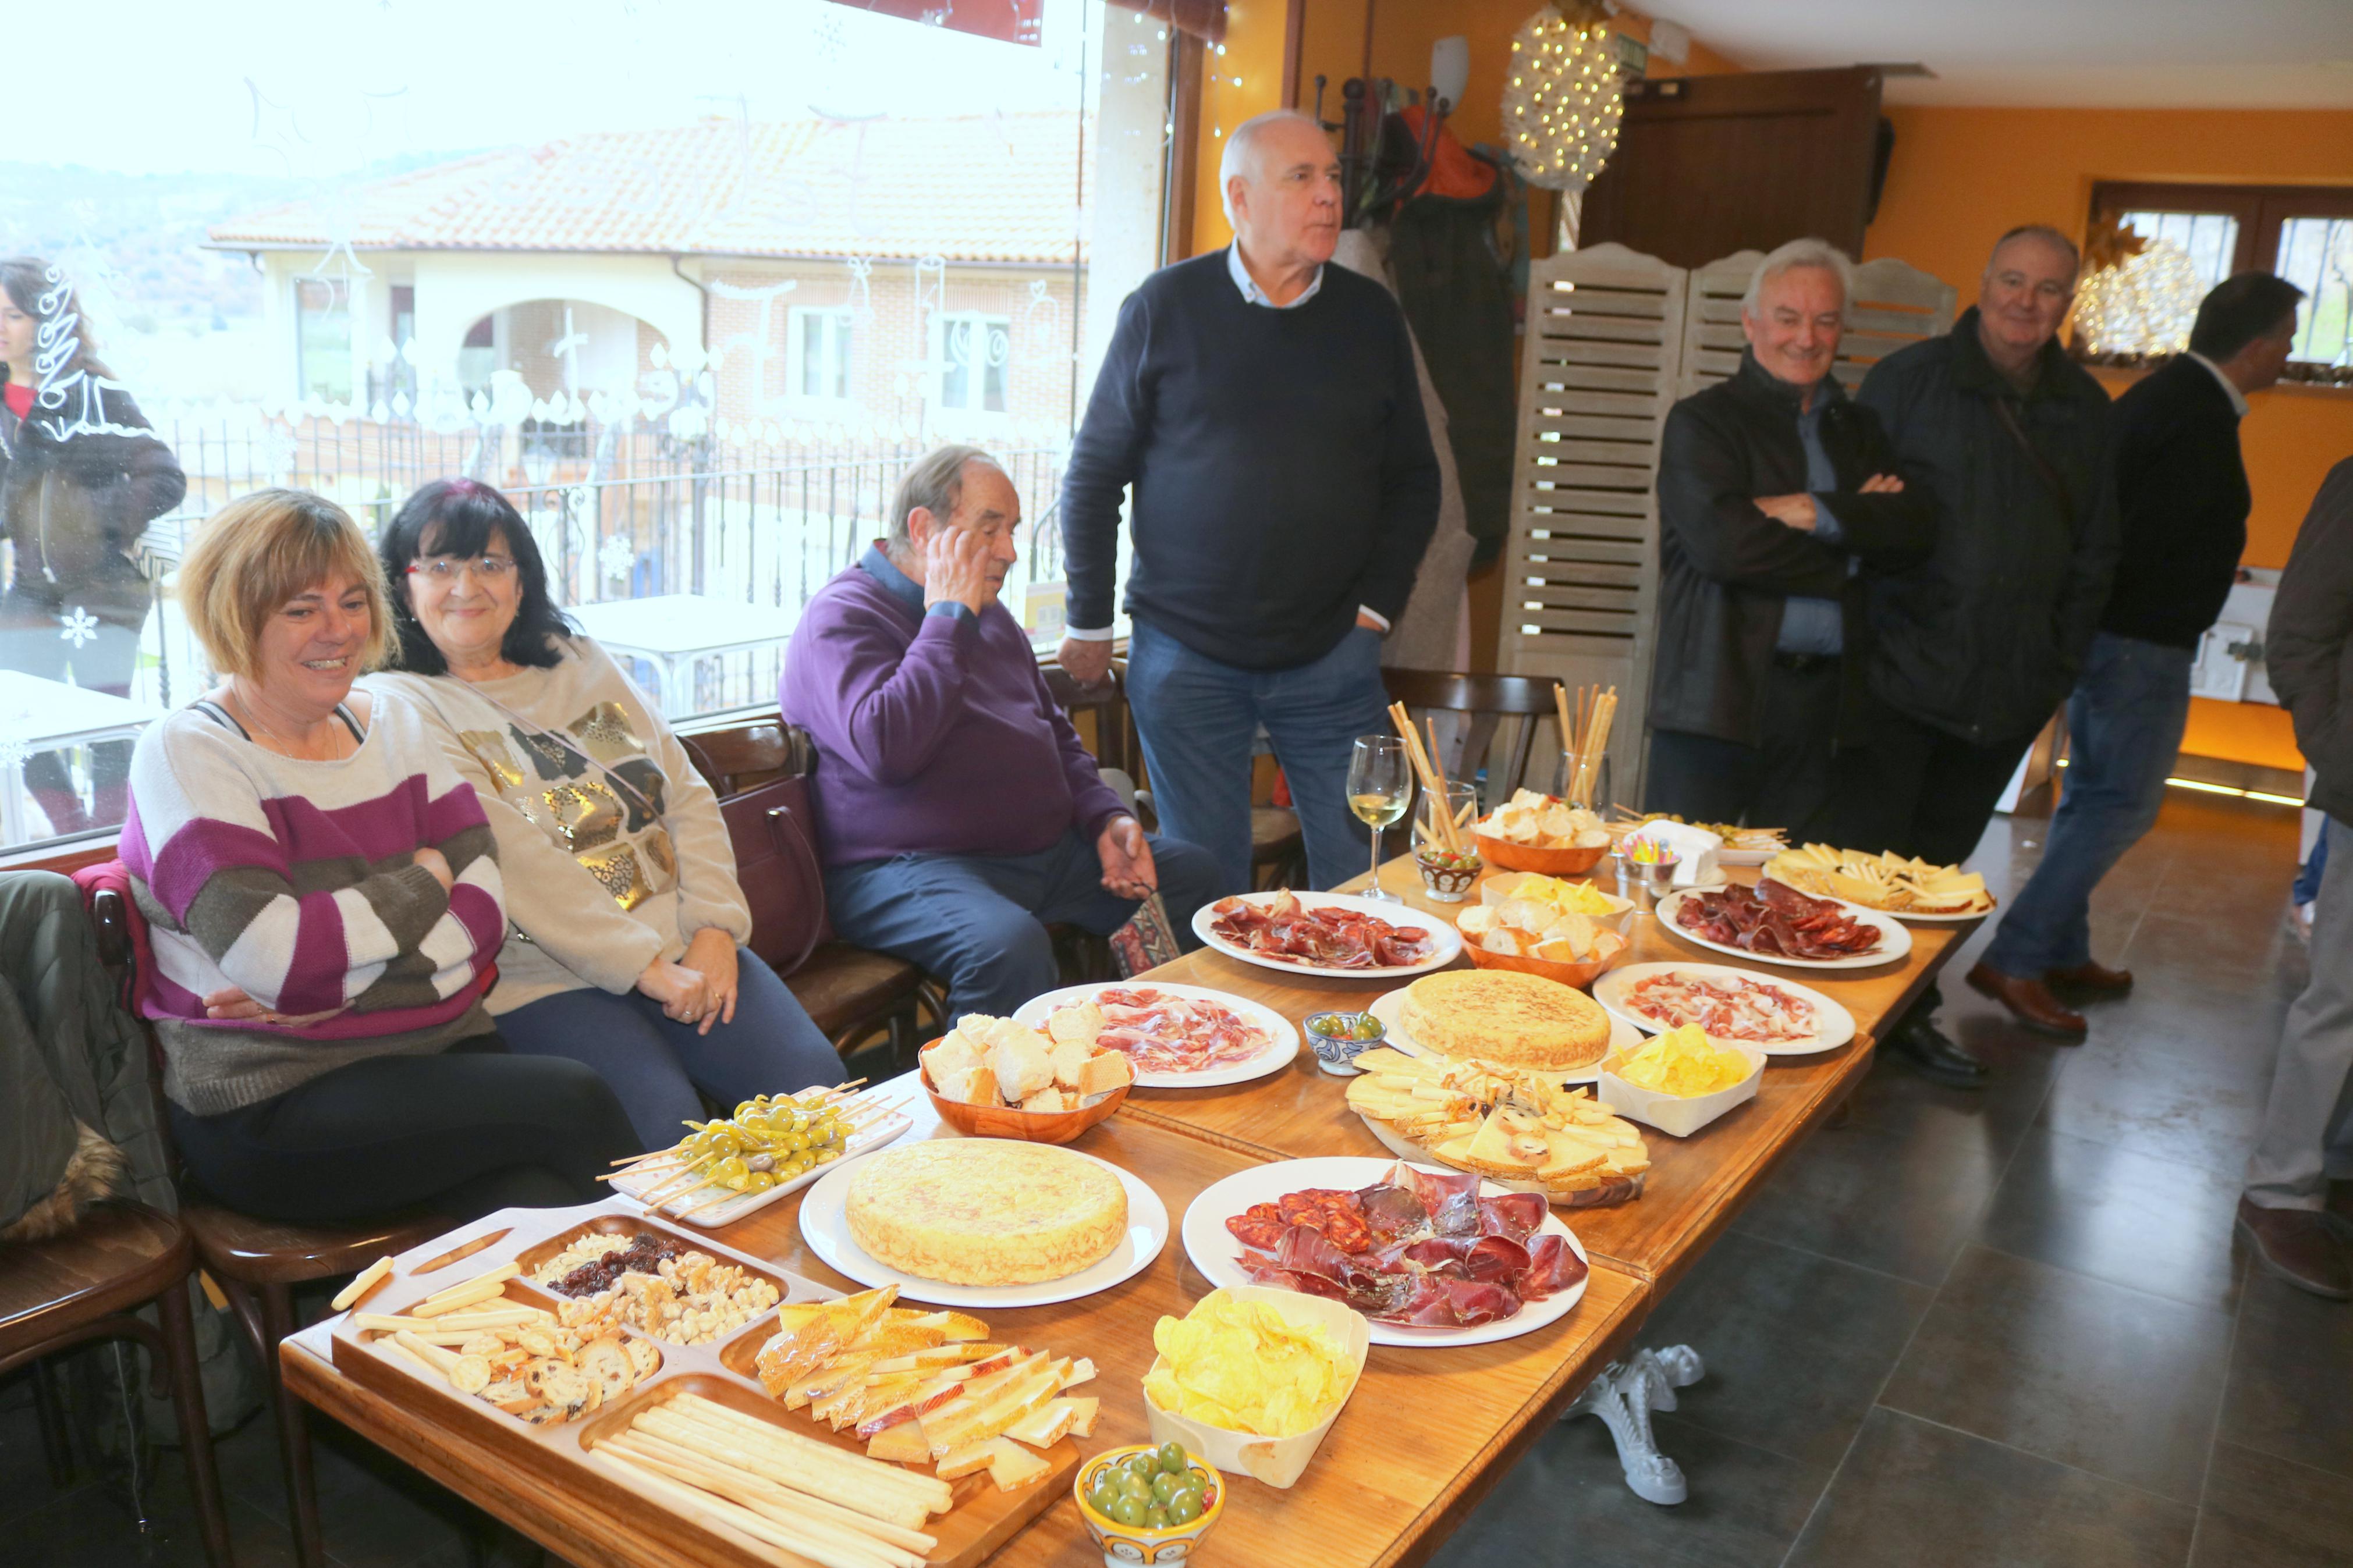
x=1984 y=640
x=1726 y=568
x=2181 y=506
x=74 y=501
x=2307 y=647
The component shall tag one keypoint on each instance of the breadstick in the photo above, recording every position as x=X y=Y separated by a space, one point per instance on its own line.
x=367 y=1281
x=502 y=1273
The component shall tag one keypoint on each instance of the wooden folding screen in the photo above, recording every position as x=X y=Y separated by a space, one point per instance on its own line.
x=1597 y=372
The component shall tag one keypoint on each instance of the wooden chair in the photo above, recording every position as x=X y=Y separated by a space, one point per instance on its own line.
x=257 y=1263
x=89 y=1285
x=1489 y=700
x=848 y=991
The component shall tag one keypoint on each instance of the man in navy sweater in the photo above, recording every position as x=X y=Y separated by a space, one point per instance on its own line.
x=2182 y=501
x=1264 y=407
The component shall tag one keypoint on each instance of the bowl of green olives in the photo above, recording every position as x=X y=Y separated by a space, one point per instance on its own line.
x=1339 y=1039
x=1148 y=1502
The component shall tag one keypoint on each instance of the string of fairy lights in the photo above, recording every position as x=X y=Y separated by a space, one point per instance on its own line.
x=1562 y=102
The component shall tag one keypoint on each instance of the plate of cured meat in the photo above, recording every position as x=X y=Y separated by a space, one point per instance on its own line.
x=1431 y=1257
x=1779 y=1017
x=1775 y=923
x=1328 y=933
x=1176 y=1037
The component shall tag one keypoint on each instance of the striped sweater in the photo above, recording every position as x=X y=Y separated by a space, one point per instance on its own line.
x=295 y=882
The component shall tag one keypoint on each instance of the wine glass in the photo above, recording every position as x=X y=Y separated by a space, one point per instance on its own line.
x=1380 y=788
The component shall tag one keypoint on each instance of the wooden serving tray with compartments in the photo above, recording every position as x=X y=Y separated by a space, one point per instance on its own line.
x=981 y=1518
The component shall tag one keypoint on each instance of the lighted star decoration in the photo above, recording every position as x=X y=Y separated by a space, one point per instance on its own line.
x=1562 y=103
x=2144 y=305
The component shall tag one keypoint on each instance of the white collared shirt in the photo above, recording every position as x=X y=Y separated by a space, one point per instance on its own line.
x=2229 y=388
x=1256 y=296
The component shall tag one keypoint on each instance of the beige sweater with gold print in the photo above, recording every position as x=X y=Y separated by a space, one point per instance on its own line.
x=596 y=887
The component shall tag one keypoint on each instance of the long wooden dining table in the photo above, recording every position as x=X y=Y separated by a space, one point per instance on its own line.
x=1428 y=1431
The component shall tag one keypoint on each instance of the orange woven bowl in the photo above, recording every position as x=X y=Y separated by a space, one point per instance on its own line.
x=1513 y=856
x=1580 y=975
x=1023 y=1126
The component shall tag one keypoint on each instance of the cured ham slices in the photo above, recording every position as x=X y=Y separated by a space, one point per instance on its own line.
x=1773 y=918
x=1325 y=936
x=1161 y=1032
x=1420 y=1248
x=1727 y=1007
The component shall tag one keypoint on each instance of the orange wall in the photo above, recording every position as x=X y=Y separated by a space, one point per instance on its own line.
x=1253 y=46
x=1961 y=177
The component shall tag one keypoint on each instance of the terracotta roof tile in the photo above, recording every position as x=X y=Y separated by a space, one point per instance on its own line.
x=991 y=187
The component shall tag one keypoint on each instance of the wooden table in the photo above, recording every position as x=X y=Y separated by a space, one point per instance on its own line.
x=1695 y=1184
x=1425 y=1436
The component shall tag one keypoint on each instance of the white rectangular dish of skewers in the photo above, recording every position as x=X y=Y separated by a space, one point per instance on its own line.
x=690 y=1181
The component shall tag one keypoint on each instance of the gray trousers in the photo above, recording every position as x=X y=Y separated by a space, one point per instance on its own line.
x=2307 y=1133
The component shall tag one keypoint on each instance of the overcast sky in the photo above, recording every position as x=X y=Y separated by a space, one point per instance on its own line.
x=162 y=86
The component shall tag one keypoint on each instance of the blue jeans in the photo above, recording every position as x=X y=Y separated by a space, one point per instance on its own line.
x=978 y=921
x=2125 y=725
x=656 y=1065
x=1198 y=718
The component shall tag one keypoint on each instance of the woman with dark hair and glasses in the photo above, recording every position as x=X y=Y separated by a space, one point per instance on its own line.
x=627 y=948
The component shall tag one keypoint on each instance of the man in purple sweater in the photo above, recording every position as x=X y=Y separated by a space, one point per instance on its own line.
x=958 y=813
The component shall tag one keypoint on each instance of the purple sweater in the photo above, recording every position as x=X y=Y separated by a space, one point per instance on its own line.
x=935 y=733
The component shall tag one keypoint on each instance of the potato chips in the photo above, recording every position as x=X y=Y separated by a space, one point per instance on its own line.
x=1683 y=1062
x=1247 y=1367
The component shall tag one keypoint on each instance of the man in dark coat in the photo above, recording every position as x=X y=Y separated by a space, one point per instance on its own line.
x=2182 y=501
x=1975 y=647
x=2307 y=1133
x=1774 y=490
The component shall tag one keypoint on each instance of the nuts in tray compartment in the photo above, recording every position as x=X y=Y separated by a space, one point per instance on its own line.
x=655 y=1285
x=515 y=1356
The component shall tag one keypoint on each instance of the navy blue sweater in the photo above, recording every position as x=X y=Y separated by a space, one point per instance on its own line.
x=1282 y=467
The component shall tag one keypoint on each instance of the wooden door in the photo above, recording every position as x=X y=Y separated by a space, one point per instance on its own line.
x=1709 y=165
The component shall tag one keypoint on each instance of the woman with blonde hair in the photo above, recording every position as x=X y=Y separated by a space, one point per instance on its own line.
x=324 y=901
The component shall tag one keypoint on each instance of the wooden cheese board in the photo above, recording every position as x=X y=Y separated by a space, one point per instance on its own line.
x=980 y=1518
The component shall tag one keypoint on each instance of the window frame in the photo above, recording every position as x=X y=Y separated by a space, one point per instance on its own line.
x=2262 y=211
x=974 y=411
x=839 y=363
x=339 y=294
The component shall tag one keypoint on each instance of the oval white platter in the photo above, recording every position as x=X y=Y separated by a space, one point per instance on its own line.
x=825 y=1226
x=1894 y=941
x=1282 y=1037
x=1919 y=918
x=1833 y=1025
x=1217 y=1254
x=1446 y=942
x=1390 y=1011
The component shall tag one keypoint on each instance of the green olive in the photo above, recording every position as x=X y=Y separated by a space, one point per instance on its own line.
x=1155 y=1519
x=1173 y=1457
x=1164 y=1487
x=1106 y=1495
x=1134 y=1486
x=1129 y=1511
x=1185 y=1508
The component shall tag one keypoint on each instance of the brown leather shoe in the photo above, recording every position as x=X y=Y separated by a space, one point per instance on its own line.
x=2093 y=977
x=2298 y=1245
x=2029 y=1001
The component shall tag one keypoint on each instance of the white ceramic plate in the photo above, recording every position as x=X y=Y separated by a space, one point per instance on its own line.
x=1217 y=1254
x=1833 y=1025
x=1283 y=1039
x=826 y=1226
x=1728 y=857
x=1918 y=919
x=1390 y=1011
x=1894 y=941
x=872 y=1134
x=1446 y=942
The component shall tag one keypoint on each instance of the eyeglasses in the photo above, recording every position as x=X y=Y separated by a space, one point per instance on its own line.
x=447 y=568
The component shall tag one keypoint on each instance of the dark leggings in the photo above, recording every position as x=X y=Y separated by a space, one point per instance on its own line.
x=463 y=1132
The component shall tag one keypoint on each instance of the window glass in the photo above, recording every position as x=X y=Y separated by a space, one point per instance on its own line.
x=2317 y=255
x=693 y=296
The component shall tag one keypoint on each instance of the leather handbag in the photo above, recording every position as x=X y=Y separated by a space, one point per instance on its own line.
x=774 y=835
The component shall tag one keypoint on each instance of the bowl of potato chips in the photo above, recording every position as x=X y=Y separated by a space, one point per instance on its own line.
x=1531 y=832
x=1680 y=1080
x=1252 y=1377
x=1536 y=924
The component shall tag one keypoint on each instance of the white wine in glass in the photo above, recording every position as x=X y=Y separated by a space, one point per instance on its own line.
x=1380 y=789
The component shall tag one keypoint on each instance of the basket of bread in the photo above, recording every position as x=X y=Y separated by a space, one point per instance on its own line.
x=1531 y=832
x=992 y=1078
x=1568 y=931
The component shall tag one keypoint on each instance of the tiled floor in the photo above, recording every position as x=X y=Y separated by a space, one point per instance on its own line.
x=2001 y=1328
x=2011 y=1327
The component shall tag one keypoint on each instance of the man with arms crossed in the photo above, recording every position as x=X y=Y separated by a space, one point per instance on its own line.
x=1264 y=408
x=2182 y=501
x=1774 y=489
x=1975 y=647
